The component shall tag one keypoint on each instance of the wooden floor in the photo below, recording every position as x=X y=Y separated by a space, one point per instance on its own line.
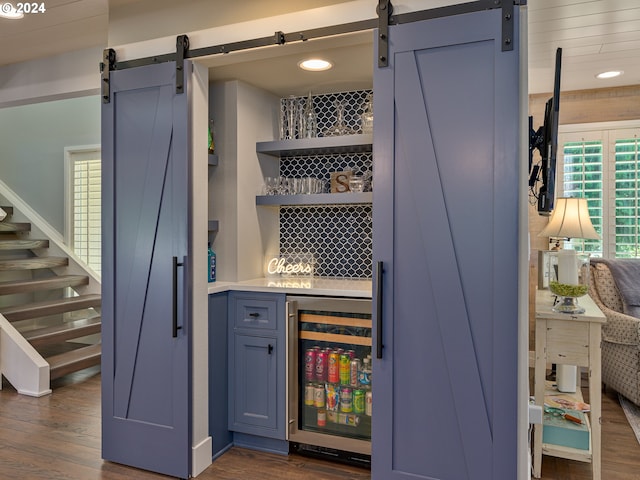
x=58 y=437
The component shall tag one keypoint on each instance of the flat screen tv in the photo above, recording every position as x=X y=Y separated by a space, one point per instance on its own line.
x=545 y=140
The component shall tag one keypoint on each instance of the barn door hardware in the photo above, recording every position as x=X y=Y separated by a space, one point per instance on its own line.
x=182 y=46
x=384 y=10
x=107 y=64
x=507 y=25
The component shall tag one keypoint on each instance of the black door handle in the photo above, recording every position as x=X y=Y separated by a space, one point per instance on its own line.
x=270 y=349
x=174 y=325
x=379 y=345
x=254 y=314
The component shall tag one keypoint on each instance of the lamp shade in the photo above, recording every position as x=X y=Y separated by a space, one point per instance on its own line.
x=570 y=219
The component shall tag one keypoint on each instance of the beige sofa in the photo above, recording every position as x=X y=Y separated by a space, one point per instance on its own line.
x=620 y=335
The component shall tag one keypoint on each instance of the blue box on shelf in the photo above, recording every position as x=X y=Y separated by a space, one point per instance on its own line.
x=559 y=431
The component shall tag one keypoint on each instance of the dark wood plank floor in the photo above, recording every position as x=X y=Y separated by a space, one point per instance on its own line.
x=58 y=437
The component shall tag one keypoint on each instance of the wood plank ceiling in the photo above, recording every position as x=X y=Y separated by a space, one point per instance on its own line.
x=596 y=35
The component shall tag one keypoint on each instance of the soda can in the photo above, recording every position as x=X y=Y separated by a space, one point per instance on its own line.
x=318 y=396
x=359 y=401
x=346 y=399
x=333 y=373
x=321 y=366
x=348 y=419
x=368 y=403
x=309 y=394
x=345 y=369
x=332 y=416
x=310 y=365
x=333 y=397
x=352 y=354
x=322 y=418
x=354 y=369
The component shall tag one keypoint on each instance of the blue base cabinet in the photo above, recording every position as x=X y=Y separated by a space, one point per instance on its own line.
x=221 y=437
x=255 y=379
x=257 y=346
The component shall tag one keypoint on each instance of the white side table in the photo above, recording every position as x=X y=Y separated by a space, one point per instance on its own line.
x=571 y=340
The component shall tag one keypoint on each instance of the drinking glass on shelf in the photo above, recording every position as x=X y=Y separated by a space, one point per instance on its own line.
x=291 y=116
x=287 y=186
x=356 y=183
x=282 y=121
x=368 y=181
x=271 y=185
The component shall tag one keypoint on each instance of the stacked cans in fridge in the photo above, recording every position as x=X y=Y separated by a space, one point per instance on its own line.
x=338 y=385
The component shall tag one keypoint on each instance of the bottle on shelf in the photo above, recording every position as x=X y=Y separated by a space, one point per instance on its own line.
x=310 y=120
x=212 y=264
x=212 y=146
x=366 y=119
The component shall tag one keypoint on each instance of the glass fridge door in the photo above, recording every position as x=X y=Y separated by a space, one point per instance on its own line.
x=335 y=373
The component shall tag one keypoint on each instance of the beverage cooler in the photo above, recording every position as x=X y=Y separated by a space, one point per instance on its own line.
x=329 y=377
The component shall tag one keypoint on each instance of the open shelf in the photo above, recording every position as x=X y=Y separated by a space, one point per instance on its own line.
x=317 y=146
x=316 y=199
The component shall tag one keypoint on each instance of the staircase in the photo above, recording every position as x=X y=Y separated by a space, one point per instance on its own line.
x=44 y=306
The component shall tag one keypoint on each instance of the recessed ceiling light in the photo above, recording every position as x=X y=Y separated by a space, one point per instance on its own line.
x=315 y=64
x=9 y=11
x=610 y=74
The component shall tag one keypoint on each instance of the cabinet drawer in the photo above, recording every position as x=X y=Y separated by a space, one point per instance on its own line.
x=256 y=313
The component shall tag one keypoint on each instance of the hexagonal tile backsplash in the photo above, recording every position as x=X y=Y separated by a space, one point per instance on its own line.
x=340 y=237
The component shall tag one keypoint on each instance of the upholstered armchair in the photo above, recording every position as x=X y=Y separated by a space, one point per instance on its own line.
x=620 y=335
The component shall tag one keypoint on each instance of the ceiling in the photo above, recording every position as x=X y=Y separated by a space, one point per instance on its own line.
x=595 y=35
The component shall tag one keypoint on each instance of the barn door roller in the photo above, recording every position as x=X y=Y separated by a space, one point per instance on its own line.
x=384 y=10
x=107 y=64
x=182 y=46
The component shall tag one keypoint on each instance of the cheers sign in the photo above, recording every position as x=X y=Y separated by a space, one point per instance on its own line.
x=284 y=266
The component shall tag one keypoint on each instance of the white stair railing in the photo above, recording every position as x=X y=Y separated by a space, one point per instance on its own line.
x=21 y=364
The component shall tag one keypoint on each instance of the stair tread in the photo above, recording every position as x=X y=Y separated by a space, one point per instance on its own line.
x=14 y=227
x=64 y=331
x=51 y=283
x=33 y=263
x=74 y=360
x=23 y=244
x=50 y=307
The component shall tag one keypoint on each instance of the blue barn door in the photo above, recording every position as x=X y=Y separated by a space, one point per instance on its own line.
x=145 y=363
x=446 y=168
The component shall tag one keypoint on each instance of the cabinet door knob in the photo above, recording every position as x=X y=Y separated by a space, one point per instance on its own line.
x=254 y=314
x=270 y=349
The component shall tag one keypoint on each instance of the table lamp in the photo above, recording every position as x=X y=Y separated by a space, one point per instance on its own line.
x=569 y=277
x=570 y=219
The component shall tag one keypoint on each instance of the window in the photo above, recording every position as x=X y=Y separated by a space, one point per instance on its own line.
x=601 y=163
x=84 y=204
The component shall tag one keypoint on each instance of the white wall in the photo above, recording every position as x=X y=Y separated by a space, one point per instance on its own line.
x=32 y=142
x=243 y=116
x=68 y=75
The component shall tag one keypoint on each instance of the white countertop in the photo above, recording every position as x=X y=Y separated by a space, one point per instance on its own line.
x=336 y=287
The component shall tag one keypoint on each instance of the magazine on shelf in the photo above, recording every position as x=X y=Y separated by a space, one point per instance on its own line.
x=567 y=401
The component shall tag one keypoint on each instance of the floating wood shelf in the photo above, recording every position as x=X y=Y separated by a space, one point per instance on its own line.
x=316 y=199
x=317 y=146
